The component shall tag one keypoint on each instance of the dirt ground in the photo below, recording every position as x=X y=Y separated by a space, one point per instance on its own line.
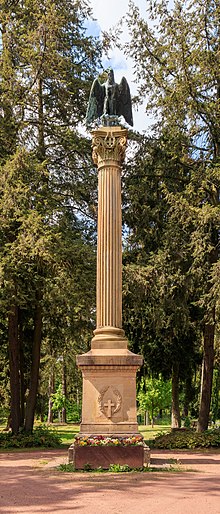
x=29 y=483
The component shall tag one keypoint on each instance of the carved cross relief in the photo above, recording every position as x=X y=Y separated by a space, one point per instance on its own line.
x=109 y=401
x=109 y=406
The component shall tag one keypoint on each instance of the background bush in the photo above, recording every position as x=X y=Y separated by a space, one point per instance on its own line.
x=40 y=437
x=186 y=438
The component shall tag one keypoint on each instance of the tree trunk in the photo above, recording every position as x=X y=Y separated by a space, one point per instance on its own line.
x=50 y=401
x=207 y=375
x=22 y=386
x=188 y=393
x=32 y=397
x=22 y=383
x=175 y=417
x=14 y=366
x=209 y=328
x=146 y=417
x=64 y=391
x=152 y=416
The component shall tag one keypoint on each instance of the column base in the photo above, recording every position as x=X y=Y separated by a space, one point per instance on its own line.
x=109 y=337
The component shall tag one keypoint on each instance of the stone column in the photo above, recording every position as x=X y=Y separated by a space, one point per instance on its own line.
x=109 y=144
x=109 y=368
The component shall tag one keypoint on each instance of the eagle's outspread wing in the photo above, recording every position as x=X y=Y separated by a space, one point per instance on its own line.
x=124 y=101
x=96 y=102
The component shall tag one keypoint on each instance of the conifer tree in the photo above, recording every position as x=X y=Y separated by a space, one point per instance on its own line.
x=176 y=58
x=47 y=62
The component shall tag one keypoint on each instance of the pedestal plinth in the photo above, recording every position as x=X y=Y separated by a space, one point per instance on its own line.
x=96 y=456
x=109 y=392
x=109 y=368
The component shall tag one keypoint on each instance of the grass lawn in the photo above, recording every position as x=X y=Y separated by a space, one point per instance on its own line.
x=150 y=433
x=68 y=431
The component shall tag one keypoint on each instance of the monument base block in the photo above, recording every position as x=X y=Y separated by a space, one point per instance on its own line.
x=109 y=391
x=94 y=457
x=109 y=405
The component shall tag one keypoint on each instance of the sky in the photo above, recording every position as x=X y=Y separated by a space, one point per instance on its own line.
x=107 y=13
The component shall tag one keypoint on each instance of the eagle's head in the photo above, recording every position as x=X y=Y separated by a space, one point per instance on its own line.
x=111 y=79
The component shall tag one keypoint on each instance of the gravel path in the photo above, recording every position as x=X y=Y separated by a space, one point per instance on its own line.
x=29 y=483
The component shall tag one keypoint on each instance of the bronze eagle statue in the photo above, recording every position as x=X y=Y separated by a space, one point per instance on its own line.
x=109 y=101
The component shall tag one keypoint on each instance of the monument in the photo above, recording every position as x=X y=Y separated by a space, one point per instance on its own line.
x=109 y=431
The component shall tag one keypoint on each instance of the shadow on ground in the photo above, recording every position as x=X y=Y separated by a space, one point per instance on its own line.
x=27 y=485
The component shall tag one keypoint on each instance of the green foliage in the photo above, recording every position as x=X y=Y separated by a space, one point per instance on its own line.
x=47 y=191
x=154 y=394
x=171 y=291
x=66 y=468
x=40 y=437
x=186 y=438
x=73 y=412
x=159 y=292
x=59 y=399
x=180 y=48
x=3 y=414
x=187 y=422
x=164 y=421
x=66 y=433
x=119 y=468
x=87 y=467
x=27 y=238
x=113 y=468
x=215 y=405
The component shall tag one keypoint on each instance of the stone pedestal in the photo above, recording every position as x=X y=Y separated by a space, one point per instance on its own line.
x=109 y=392
x=109 y=368
x=104 y=456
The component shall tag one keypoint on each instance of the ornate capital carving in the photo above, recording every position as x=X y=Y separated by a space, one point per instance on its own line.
x=109 y=143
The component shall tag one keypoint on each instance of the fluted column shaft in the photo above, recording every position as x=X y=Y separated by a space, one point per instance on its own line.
x=109 y=145
x=109 y=267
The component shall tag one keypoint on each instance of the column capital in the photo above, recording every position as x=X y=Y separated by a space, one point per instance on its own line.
x=109 y=144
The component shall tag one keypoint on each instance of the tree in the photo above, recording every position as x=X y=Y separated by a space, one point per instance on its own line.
x=160 y=317
x=26 y=241
x=59 y=400
x=47 y=62
x=176 y=62
x=154 y=394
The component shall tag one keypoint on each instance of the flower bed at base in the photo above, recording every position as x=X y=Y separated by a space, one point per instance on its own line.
x=102 y=451
x=100 y=440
